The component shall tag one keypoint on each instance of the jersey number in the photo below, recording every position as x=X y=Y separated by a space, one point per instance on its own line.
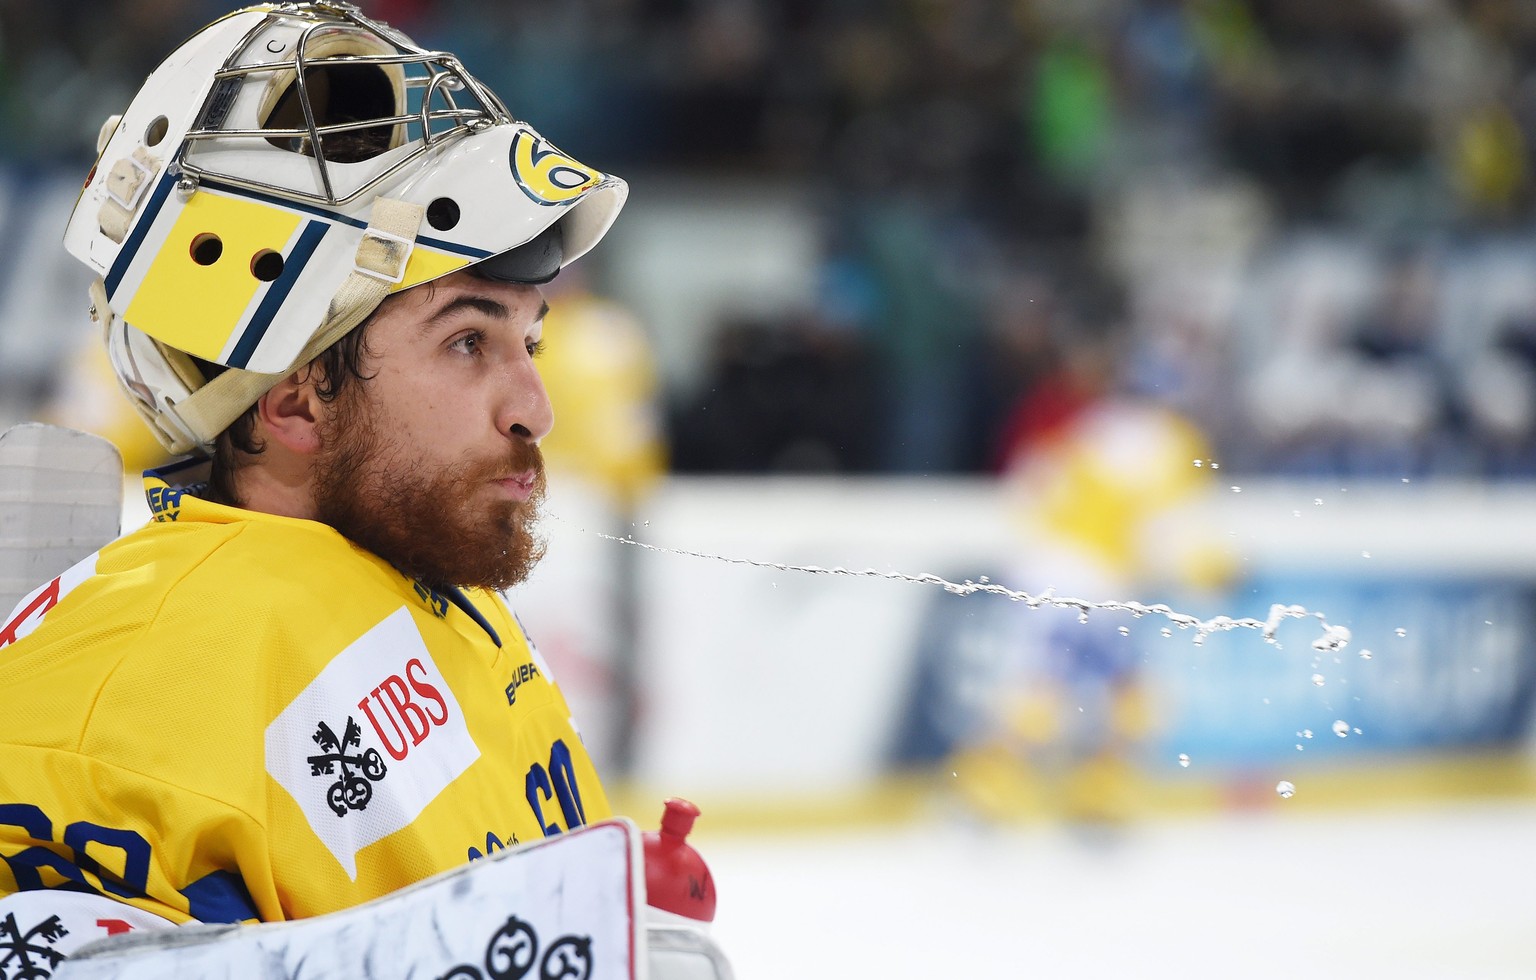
x=558 y=782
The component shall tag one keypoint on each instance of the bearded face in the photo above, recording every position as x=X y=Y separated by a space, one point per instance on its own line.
x=441 y=523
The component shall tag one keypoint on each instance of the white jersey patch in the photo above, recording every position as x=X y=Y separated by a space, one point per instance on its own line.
x=371 y=741
x=29 y=612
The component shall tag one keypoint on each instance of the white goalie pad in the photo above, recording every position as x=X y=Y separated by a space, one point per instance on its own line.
x=40 y=929
x=563 y=909
x=61 y=495
x=568 y=908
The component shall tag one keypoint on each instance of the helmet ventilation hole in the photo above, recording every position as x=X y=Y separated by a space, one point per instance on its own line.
x=266 y=265
x=156 y=131
x=443 y=213
x=206 y=248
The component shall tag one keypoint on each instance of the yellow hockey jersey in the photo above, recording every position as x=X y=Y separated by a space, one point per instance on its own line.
x=227 y=716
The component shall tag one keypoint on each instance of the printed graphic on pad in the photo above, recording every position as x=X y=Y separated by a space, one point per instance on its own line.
x=26 y=952
x=513 y=951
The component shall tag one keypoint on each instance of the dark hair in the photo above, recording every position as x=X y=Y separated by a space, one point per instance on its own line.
x=339 y=365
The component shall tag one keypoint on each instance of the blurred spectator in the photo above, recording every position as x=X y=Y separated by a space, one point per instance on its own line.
x=792 y=397
x=601 y=377
x=953 y=141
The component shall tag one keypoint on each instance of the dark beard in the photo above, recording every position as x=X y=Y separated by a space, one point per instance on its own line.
x=433 y=527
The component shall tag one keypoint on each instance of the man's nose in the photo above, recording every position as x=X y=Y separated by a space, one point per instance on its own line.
x=526 y=411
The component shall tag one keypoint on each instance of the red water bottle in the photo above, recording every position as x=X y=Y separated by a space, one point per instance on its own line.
x=676 y=878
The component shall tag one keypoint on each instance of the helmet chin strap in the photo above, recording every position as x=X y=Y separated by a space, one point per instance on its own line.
x=378 y=265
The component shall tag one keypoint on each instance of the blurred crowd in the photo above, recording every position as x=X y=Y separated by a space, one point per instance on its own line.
x=1303 y=224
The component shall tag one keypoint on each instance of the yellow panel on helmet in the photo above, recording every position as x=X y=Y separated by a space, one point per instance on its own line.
x=426 y=264
x=201 y=283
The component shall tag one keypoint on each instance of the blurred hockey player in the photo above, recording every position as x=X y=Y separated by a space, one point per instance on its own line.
x=319 y=250
x=1105 y=503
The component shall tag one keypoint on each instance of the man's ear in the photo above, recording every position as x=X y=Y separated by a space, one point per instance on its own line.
x=290 y=414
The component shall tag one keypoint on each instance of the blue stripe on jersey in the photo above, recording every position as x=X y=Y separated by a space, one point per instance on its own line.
x=458 y=598
x=220 y=896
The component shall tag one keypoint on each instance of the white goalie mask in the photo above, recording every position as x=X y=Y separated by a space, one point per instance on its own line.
x=277 y=177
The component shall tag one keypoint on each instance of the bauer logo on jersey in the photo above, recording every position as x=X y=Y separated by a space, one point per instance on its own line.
x=390 y=736
x=545 y=174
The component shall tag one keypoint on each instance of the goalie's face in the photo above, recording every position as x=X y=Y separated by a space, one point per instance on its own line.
x=432 y=461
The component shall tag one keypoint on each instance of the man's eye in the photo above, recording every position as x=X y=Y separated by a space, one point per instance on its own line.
x=535 y=348
x=468 y=344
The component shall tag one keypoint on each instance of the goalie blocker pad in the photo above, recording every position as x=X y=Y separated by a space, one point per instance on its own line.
x=570 y=907
x=564 y=908
x=61 y=498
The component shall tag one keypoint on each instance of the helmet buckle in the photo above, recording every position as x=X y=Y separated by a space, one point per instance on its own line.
x=128 y=178
x=383 y=255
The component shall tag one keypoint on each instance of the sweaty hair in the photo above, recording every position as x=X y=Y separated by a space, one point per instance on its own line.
x=339 y=365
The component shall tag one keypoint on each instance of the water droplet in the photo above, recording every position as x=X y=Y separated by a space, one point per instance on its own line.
x=1286 y=789
x=1400 y=631
x=1318 y=679
x=1365 y=554
x=1405 y=479
x=1183 y=760
x=1199 y=462
x=1125 y=631
x=1266 y=700
x=1082 y=617
x=1317 y=501
x=1215 y=466
x=1365 y=654
x=985 y=579
x=1306 y=733
x=1341 y=729
x=1355 y=730
x=1166 y=631
x=1299 y=747
x=1237 y=489
x=1295 y=513
x=646 y=524
x=954 y=774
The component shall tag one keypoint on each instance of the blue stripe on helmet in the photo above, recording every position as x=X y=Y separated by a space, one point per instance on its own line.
x=136 y=237
x=277 y=292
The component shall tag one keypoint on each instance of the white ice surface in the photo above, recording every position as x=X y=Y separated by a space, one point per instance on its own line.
x=1428 y=893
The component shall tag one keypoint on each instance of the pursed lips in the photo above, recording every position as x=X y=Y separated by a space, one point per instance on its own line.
x=519 y=485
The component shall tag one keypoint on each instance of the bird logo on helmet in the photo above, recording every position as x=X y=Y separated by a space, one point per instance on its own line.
x=277 y=177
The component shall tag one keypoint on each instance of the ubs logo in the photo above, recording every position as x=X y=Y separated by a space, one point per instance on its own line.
x=359 y=770
x=412 y=707
x=401 y=708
